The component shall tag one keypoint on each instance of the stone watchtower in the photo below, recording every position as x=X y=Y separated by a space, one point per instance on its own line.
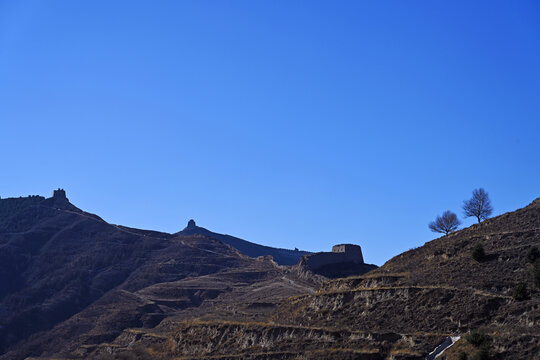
x=59 y=194
x=191 y=224
x=341 y=254
x=353 y=252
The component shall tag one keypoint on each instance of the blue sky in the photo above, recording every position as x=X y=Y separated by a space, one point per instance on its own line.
x=287 y=123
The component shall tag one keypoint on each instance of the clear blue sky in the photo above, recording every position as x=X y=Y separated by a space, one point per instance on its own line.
x=287 y=123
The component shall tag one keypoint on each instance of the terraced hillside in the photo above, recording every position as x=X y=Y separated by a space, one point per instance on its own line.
x=68 y=279
x=402 y=310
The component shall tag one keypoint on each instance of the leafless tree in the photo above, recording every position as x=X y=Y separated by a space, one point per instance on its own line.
x=478 y=206
x=446 y=223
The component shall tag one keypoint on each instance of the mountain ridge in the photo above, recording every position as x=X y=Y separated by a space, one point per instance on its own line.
x=280 y=255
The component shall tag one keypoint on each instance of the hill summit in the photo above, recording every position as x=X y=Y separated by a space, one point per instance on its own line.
x=281 y=256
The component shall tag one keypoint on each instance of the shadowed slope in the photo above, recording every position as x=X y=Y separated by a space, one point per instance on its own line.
x=281 y=256
x=55 y=260
x=70 y=280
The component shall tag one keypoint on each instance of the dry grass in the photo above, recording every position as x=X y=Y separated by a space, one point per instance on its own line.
x=145 y=332
x=198 y=322
x=405 y=351
x=102 y=345
x=461 y=345
x=382 y=288
x=330 y=351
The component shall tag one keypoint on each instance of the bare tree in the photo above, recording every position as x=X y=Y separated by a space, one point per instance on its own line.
x=446 y=223
x=478 y=206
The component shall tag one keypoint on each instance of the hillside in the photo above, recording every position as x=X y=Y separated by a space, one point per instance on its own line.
x=281 y=256
x=403 y=310
x=69 y=279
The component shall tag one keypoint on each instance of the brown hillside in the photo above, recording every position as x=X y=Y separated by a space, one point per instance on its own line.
x=402 y=310
x=68 y=279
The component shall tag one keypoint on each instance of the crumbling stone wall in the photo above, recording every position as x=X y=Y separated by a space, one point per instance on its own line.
x=342 y=253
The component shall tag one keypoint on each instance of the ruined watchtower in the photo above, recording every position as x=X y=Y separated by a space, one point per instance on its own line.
x=191 y=224
x=341 y=254
x=352 y=252
x=59 y=194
